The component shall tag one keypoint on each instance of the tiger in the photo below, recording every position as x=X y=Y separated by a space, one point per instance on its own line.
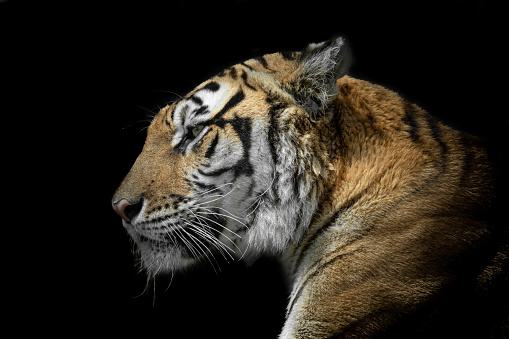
x=373 y=206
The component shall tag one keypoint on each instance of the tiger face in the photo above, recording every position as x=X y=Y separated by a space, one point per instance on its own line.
x=228 y=170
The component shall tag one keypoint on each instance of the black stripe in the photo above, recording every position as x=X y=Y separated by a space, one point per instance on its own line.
x=263 y=61
x=242 y=127
x=201 y=111
x=234 y=101
x=273 y=136
x=318 y=270
x=204 y=187
x=212 y=147
x=436 y=133
x=244 y=77
x=172 y=113
x=216 y=173
x=252 y=186
x=211 y=86
x=199 y=142
x=183 y=111
x=289 y=55
x=182 y=145
x=331 y=222
x=411 y=113
x=233 y=73
x=247 y=66
x=196 y=100
x=435 y=129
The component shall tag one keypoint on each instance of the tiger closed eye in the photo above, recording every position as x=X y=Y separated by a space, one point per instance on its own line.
x=196 y=130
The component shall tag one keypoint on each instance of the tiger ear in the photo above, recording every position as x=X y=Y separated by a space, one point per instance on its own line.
x=318 y=67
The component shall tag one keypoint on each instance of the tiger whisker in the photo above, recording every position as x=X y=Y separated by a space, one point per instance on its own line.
x=210 y=212
x=147 y=283
x=214 y=189
x=258 y=200
x=191 y=248
x=205 y=225
x=245 y=251
x=211 y=236
x=219 y=197
x=230 y=215
x=151 y=114
x=166 y=91
x=213 y=197
x=215 y=222
x=213 y=229
x=170 y=234
x=177 y=230
x=222 y=248
x=192 y=237
x=204 y=251
x=137 y=258
x=171 y=280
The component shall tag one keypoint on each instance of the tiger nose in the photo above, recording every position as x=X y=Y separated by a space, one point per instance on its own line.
x=120 y=206
x=127 y=210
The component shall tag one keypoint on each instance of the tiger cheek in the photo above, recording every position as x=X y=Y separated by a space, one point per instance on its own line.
x=200 y=153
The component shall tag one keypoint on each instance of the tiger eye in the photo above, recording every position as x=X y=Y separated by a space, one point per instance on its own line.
x=196 y=130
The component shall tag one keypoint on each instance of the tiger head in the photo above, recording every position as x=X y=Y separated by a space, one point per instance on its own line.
x=234 y=166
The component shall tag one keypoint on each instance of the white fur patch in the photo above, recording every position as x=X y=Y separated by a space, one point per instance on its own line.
x=282 y=219
x=185 y=113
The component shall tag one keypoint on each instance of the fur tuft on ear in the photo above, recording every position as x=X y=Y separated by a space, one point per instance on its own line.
x=320 y=65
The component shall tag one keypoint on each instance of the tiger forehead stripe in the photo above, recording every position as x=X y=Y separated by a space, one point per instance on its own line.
x=234 y=101
x=205 y=100
x=206 y=106
x=211 y=87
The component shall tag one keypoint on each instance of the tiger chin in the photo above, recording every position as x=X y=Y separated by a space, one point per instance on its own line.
x=369 y=201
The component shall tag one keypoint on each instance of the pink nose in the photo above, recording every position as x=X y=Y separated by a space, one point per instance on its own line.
x=120 y=206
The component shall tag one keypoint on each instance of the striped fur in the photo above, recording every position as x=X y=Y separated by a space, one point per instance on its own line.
x=369 y=201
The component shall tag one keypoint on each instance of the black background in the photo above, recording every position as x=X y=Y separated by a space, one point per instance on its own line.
x=84 y=78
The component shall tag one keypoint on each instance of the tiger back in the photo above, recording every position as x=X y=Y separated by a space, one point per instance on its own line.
x=373 y=206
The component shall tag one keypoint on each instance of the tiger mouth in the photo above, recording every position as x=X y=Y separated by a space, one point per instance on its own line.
x=155 y=242
x=176 y=236
x=192 y=241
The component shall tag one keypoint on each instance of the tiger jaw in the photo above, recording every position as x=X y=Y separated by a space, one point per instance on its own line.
x=198 y=230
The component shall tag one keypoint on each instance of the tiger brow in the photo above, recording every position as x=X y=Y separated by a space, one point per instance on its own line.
x=196 y=100
x=172 y=115
x=234 y=101
x=183 y=113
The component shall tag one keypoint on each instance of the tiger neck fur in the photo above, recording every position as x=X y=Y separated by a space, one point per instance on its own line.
x=343 y=164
